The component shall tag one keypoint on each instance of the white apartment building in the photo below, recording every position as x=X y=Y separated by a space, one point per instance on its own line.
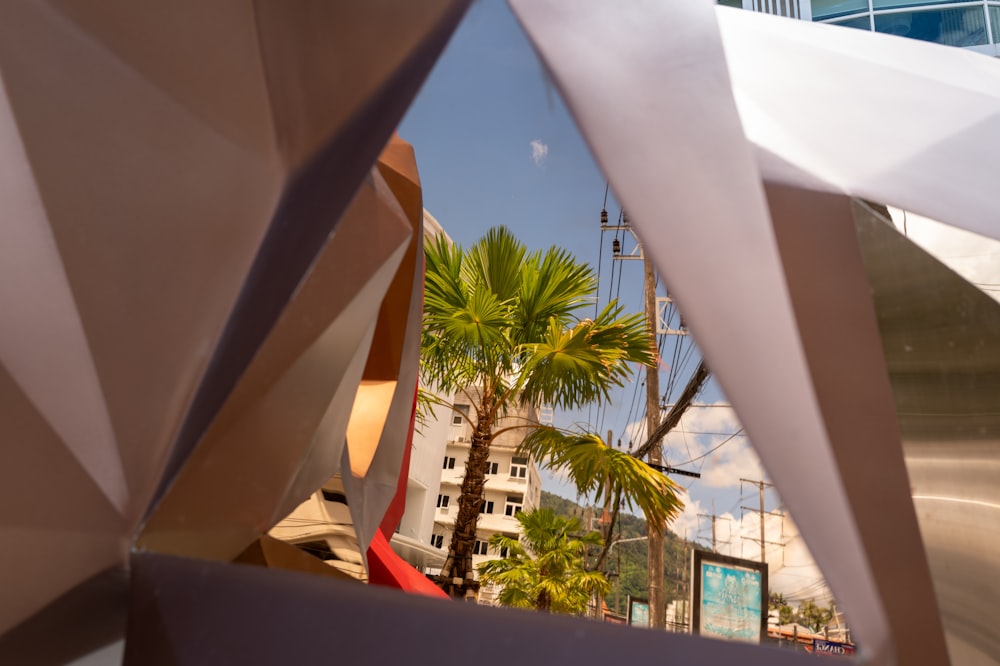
x=512 y=485
x=412 y=540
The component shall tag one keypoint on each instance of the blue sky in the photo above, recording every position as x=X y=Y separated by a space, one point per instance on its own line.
x=495 y=145
x=472 y=127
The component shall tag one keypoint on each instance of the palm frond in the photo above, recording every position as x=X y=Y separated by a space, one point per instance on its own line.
x=495 y=262
x=600 y=470
x=546 y=565
x=554 y=287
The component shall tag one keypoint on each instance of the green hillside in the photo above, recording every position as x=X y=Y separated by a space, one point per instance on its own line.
x=630 y=559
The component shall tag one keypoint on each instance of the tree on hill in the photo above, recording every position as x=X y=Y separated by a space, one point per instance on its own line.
x=544 y=569
x=502 y=325
x=561 y=506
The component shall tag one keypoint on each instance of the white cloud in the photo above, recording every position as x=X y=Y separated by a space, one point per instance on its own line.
x=737 y=459
x=791 y=569
x=539 y=151
x=706 y=435
x=701 y=427
x=557 y=481
x=686 y=524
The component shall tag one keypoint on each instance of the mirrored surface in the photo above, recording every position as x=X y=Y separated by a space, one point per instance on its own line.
x=941 y=338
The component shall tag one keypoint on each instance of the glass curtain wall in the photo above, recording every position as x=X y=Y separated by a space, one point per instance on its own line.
x=971 y=24
x=950 y=22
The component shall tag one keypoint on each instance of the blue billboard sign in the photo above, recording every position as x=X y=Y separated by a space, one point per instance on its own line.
x=638 y=612
x=729 y=597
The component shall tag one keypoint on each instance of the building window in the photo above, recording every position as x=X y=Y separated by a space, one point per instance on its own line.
x=437 y=540
x=825 y=9
x=443 y=501
x=965 y=26
x=518 y=468
x=515 y=503
x=486 y=507
x=449 y=463
x=492 y=468
x=456 y=419
x=480 y=548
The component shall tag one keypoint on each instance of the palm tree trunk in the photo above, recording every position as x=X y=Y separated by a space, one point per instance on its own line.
x=544 y=602
x=456 y=575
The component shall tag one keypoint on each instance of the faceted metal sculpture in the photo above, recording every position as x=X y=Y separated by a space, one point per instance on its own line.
x=199 y=268
x=737 y=163
x=192 y=279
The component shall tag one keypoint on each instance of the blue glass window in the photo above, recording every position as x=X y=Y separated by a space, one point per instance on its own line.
x=995 y=22
x=860 y=22
x=891 y=4
x=824 y=9
x=954 y=27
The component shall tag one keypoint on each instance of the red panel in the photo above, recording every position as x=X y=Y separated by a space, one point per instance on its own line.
x=387 y=568
x=395 y=511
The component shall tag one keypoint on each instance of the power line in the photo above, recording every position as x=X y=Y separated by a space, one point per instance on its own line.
x=635 y=398
x=713 y=449
x=677 y=411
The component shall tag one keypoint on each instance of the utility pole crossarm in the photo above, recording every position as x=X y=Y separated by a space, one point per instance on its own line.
x=758 y=483
x=763 y=540
x=755 y=540
x=667 y=469
x=770 y=513
x=662 y=324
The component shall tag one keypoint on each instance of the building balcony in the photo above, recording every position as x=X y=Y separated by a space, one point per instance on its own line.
x=498 y=522
x=504 y=483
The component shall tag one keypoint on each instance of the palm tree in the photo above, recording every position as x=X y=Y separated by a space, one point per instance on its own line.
x=610 y=476
x=502 y=325
x=813 y=615
x=544 y=570
x=776 y=601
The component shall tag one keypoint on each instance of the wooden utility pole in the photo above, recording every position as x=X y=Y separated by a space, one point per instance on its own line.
x=762 y=513
x=657 y=609
x=654 y=430
x=714 y=518
x=763 y=542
